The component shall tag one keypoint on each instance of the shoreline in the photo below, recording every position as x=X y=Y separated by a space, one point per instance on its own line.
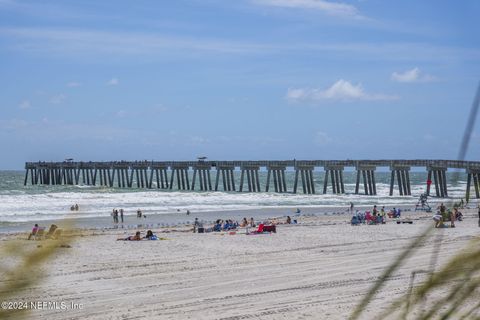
x=181 y=218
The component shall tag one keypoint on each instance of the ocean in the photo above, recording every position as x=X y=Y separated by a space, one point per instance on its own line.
x=19 y=203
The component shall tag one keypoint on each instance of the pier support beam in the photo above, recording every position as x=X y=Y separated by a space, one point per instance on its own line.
x=336 y=175
x=403 y=179
x=159 y=174
x=474 y=175
x=225 y=172
x=367 y=174
x=305 y=172
x=202 y=172
x=253 y=180
x=180 y=171
x=440 y=179
x=279 y=181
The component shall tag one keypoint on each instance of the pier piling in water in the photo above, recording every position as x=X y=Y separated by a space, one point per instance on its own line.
x=336 y=176
x=277 y=173
x=253 y=180
x=367 y=173
x=402 y=173
x=473 y=174
x=305 y=173
x=202 y=172
x=439 y=178
x=225 y=172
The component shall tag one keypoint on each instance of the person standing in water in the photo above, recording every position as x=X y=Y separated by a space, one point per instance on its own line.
x=121 y=215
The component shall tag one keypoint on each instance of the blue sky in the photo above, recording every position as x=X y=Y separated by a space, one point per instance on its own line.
x=246 y=79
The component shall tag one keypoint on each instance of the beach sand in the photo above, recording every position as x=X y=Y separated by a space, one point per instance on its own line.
x=318 y=269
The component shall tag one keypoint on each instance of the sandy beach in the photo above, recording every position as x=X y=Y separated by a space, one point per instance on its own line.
x=318 y=269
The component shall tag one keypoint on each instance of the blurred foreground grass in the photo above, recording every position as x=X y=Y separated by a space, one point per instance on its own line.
x=23 y=264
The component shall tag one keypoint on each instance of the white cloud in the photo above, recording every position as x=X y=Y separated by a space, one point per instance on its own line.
x=113 y=82
x=413 y=75
x=73 y=84
x=58 y=98
x=329 y=7
x=341 y=90
x=24 y=104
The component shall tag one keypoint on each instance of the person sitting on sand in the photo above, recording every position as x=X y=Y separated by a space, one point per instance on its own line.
x=244 y=223
x=355 y=220
x=136 y=237
x=218 y=226
x=34 y=231
x=227 y=225
x=289 y=220
x=458 y=215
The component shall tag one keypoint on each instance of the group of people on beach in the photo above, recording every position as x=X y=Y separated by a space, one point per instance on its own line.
x=444 y=214
x=233 y=225
x=116 y=214
x=374 y=216
x=75 y=207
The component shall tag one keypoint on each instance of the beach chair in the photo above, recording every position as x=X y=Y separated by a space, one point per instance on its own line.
x=57 y=234
x=40 y=234
x=51 y=231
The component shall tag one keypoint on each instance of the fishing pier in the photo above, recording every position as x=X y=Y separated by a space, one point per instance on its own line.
x=205 y=175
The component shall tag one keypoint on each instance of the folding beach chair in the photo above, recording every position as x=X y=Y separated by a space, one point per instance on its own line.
x=40 y=234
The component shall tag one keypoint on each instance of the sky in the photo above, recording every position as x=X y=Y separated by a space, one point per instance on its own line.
x=236 y=80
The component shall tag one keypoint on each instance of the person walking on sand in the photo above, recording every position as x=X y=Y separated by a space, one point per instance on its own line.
x=121 y=215
x=351 y=207
x=113 y=215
